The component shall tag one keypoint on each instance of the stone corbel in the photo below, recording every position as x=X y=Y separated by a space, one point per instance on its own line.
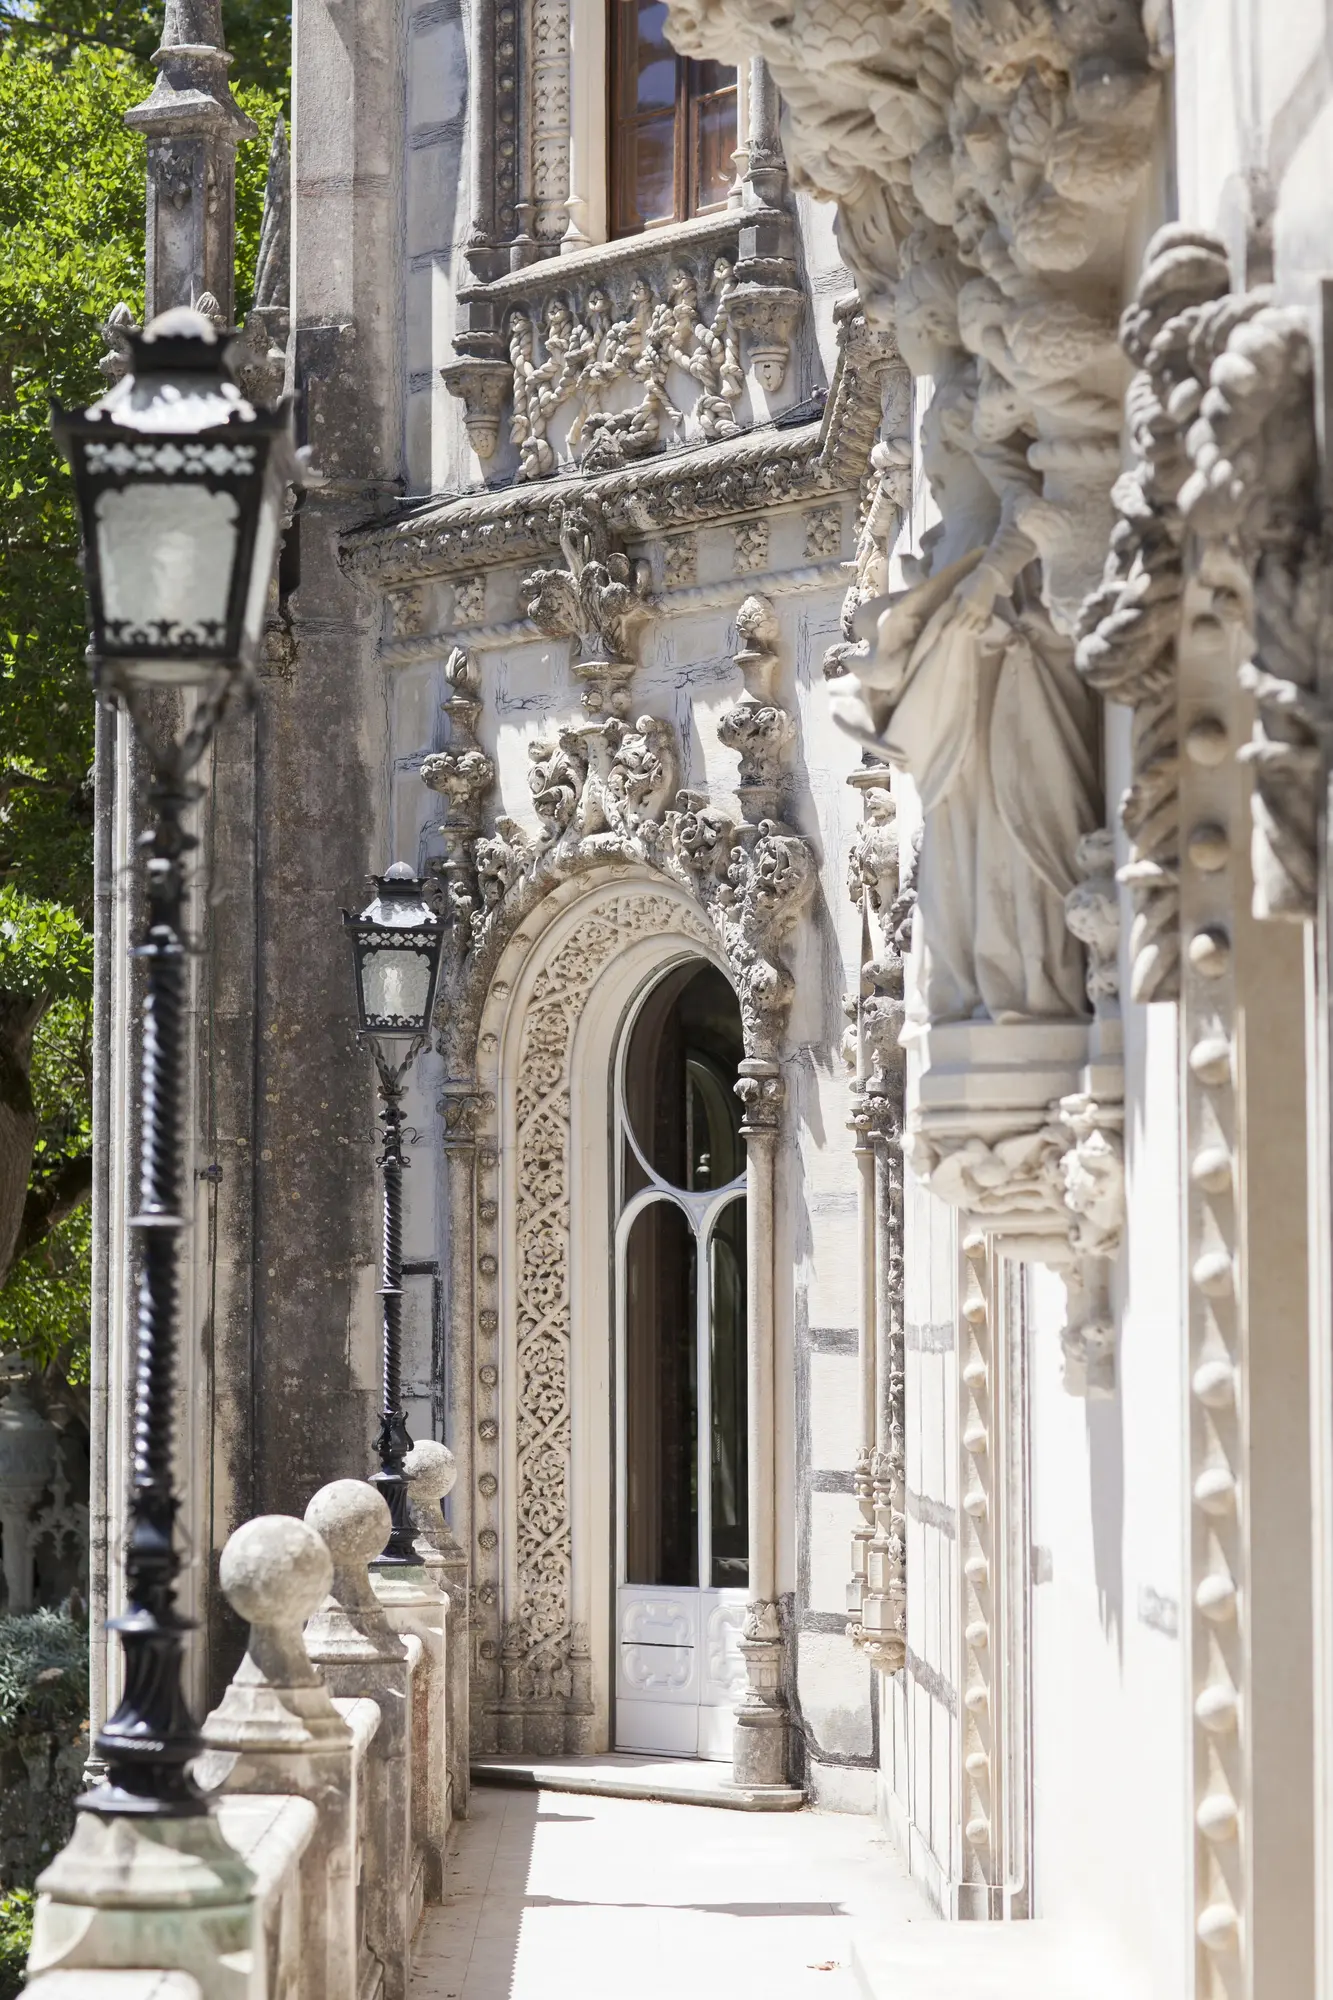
x=600 y=599
x=482 y=387
x=766 y=305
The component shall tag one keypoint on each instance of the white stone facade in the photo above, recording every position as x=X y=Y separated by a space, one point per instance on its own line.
x=973 y=401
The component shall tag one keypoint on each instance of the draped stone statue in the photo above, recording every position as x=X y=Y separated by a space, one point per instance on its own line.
x=971 y=690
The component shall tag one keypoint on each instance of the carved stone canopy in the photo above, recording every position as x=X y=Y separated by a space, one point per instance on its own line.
x=747 y=475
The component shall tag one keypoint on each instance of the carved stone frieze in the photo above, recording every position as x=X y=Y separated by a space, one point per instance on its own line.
x=752 y=474
x=600 y=598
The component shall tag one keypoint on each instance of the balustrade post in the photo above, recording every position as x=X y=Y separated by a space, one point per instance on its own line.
x=276 y=1730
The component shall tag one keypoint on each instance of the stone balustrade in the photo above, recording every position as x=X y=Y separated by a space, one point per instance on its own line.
x=328 y=1760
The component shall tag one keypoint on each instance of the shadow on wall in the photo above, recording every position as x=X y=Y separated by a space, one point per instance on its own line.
x=1106 y=1466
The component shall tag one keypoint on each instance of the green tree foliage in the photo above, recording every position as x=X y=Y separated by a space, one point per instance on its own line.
x=15 y=1940
x=258 y=33
x=71 y=218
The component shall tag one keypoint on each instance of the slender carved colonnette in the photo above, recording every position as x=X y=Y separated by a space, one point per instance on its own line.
x=883 y=891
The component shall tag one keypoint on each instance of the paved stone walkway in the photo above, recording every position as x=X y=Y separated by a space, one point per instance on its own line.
x=557 y=1895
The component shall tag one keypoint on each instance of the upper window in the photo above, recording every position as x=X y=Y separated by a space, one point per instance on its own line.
x=673 y=124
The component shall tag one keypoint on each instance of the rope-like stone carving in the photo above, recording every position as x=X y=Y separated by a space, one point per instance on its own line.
x=1131 y=623
x=1252 y=508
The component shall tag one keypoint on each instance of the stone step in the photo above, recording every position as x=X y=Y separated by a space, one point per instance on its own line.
x=621 y=1775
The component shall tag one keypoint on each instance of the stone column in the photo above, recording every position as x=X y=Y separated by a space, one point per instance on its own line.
x=759 y=1743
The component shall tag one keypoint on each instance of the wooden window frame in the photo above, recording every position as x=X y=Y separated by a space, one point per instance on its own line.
x=685 y=132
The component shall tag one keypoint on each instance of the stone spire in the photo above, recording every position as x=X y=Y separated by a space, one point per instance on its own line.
x=192 y=126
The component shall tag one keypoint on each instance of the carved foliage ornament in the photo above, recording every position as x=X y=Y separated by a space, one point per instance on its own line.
x=599 y=598
x=1222 y=432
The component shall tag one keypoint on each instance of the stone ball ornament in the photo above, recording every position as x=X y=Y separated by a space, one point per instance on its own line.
x=352 y=1520
x=430 y=1470
x=276 y=1569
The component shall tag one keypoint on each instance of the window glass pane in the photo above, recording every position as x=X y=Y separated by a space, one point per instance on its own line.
x=661 y=1400
x=679 y=1075
x=714 y=142
x=654 y=60
x=651 y=145
x=730 y=1524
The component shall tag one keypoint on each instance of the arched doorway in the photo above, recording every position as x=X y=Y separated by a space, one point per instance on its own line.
x=680 y=1367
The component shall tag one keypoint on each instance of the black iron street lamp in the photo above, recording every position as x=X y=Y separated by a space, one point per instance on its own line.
x=180 y=485
x=396 y=945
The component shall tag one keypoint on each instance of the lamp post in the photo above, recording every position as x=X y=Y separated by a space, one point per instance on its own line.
x=180 y=484
x=396 y=944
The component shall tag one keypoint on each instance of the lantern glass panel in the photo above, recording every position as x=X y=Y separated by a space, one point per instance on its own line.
x=395 y=986
x=167 y=553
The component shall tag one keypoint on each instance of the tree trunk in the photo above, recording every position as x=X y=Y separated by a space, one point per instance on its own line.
x=19 y=1015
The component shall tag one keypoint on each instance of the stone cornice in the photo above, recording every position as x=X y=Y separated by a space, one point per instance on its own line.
x=752 y=473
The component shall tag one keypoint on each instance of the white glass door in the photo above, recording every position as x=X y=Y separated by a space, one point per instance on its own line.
x=682 y=1549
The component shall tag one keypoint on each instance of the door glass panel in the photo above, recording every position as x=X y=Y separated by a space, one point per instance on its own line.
x=661 y=1399
x=730 y=1525
x=680 y=1068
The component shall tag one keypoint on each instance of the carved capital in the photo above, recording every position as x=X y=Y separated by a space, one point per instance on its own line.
x=762 y=1093
x=1093 y=1172
x=1092 y=912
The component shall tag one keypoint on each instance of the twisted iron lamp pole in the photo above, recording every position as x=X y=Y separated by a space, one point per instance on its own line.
x=180 y=483
x=147 y=1746
x=393 y=1442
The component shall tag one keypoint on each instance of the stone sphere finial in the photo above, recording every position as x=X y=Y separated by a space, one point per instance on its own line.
x=275 y=1570
x=430 y=1471
x=355 y=1522
x=352 y=1519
